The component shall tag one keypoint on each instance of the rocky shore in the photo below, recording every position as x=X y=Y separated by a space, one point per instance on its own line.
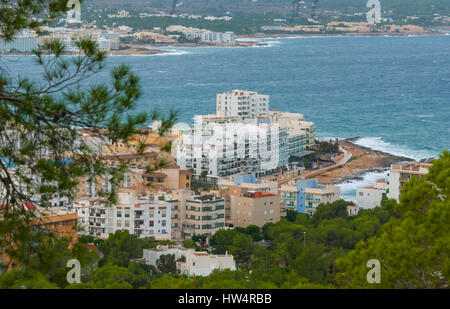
x=364 y=160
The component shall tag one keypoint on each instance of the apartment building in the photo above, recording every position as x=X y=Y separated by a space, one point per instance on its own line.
x=242 y=103
x=297 y=142
x=320 y=195
x=233 y=146
x=295 y=122
x=304 y=196
x=255 y=208
x=61 y=223
x=369 y=197
x=233 y=186
x=203 y=215
x=399 y=174
x=142 y=216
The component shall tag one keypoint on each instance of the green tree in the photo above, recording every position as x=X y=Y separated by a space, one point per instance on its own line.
x=291 y=215
x=121 y=247
x=167 y=264
x=242 y=250
x=17 y=279
x=222 y=240
x=333 y=210
x=189 y=243
x=254 y=231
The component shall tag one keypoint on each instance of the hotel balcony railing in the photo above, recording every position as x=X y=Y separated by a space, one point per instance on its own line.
x=291 y=197
x=313 y=199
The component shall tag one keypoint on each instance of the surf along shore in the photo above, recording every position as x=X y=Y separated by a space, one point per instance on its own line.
x=363 y=160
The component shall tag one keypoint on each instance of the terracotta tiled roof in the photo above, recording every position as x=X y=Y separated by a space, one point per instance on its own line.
x=156 y=174
x=131 y=156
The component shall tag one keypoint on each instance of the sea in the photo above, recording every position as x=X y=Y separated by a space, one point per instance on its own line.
x=392 y=92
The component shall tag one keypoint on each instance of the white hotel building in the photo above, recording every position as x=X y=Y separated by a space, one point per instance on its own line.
x=223 y=147
x=369 y=197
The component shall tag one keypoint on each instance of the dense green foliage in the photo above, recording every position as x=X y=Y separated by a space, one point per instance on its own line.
x=413 y=249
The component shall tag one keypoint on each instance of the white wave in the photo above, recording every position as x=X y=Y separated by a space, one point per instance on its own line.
x=348 y=188
x=173 y=52
x=377 y=143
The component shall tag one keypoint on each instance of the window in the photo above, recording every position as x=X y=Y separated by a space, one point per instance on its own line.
x=119 y=214
x=151 y=223
x=127 y=223
x=163 y=223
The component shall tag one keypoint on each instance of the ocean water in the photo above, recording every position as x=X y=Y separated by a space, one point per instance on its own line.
x=393 y=92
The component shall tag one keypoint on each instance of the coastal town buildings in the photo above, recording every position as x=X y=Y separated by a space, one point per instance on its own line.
x=304 y=196
x=243 y=137
x=202 y=35
x=399 y=174
x=221 y=149
x=23 y=44
x=370 y=196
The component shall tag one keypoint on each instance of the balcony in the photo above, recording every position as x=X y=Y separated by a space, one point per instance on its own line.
x=313 y=199
x=290 y=197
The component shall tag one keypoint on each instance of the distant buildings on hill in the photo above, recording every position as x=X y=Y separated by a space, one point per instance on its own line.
x=202 y=35
x=23 y=42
